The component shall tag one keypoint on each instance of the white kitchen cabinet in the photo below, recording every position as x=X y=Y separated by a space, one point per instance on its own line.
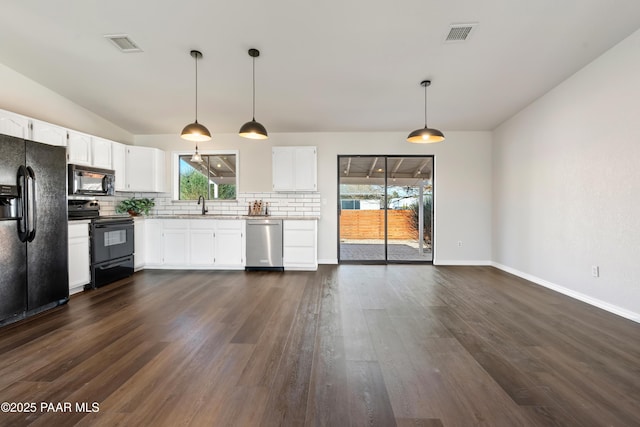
x=118 y=162
x=14 y=124
x=79 y=148
x=175 y=242
x=101 y=153
x=144 y=169
x=230 y=244
x=299 y=244
x=294 y=168
x=196 y=244
x=79 y=267
x=201 y=242
x=139 y=238
x=153 y=242
x=48 y=134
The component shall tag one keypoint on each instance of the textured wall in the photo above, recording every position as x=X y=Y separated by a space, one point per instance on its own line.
x=566 y=184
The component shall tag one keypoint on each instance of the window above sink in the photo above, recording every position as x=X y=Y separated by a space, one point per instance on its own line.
x=215 y=177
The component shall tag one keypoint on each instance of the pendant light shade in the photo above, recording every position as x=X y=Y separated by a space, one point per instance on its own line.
x=253 y=129
x=195 y=131
x=425 y=135
x=196 y=158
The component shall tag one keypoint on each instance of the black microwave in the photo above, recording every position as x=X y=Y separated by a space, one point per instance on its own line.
x=85 y=180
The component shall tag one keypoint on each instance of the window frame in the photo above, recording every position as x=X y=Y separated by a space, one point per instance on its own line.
x=175 y=172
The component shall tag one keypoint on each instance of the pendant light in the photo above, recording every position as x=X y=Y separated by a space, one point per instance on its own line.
x=426 y=135
x=196 y=158
x=253 y=129
x=195 y=131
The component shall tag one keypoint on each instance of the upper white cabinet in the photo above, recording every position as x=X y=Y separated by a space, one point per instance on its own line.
x=101 y=153
x=144 y=169
x=118 y=163
x=294 y=169
x=139 y=169
x=14 y=124
x=48 y=134
x=79 y=148
x=83 y=149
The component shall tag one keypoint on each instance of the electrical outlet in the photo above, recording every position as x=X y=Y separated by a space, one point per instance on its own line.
x=595 y=271
x=459 y=243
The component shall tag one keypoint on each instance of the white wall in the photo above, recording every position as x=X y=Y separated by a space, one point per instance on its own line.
x=566 y=185
x=24 y=96
x=462 y=181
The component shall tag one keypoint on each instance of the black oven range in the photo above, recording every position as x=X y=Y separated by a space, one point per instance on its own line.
x=111 y=242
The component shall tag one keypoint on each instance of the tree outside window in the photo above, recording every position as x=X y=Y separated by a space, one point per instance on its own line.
x=214 y=178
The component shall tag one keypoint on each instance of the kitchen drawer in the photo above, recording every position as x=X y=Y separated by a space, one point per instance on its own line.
x=299 y=237
x=229 y=224
x=299 y=224
x=175 y=224
x=202 y=224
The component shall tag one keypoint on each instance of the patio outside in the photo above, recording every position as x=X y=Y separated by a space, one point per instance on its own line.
x=384 y=194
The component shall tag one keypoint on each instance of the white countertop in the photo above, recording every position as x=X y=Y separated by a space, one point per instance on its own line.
x=223 y=217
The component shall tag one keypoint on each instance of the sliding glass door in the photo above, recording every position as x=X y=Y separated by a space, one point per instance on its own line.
x=385 y=209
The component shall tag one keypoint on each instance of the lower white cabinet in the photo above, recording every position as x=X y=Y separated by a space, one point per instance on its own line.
x=229 y=244
x=202 y=243
x=153 y=242
x=79 y=272
x=175 y=242
x=195 y=243
x=299 y=244
x=139 y=252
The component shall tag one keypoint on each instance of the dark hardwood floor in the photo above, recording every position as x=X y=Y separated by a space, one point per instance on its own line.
x=347 y=345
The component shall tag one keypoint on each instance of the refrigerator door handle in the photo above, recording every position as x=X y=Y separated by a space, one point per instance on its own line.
x=23 y=189
x=33 y=206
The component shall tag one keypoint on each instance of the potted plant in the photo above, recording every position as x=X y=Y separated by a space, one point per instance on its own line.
x=135 y=206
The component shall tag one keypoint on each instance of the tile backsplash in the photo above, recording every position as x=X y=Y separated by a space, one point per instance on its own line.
x=280 y=204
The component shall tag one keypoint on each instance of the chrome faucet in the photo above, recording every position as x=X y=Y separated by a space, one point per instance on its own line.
x=204 y=209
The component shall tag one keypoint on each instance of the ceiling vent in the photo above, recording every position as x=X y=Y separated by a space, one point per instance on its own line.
x=123 y=43
x=460 y=32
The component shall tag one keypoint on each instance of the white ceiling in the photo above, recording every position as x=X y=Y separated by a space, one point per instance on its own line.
x=331 y=65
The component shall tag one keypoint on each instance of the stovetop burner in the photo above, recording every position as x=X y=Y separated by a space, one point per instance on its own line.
x=83 y=209
x=90 y=209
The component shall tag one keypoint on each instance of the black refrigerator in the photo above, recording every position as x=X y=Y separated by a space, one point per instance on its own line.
x=33 y=228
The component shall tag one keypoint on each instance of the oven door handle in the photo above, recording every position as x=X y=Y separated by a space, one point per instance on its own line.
x=114 y=225
x=115 y=264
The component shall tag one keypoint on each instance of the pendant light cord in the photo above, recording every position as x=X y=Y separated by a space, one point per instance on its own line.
x=425 y=105
x=196 y=88
x=254 y=89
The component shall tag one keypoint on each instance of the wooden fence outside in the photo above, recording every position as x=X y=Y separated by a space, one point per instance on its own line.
x=369 y=224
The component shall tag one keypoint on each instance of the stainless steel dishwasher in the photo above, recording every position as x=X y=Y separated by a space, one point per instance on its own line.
x=264 y=244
